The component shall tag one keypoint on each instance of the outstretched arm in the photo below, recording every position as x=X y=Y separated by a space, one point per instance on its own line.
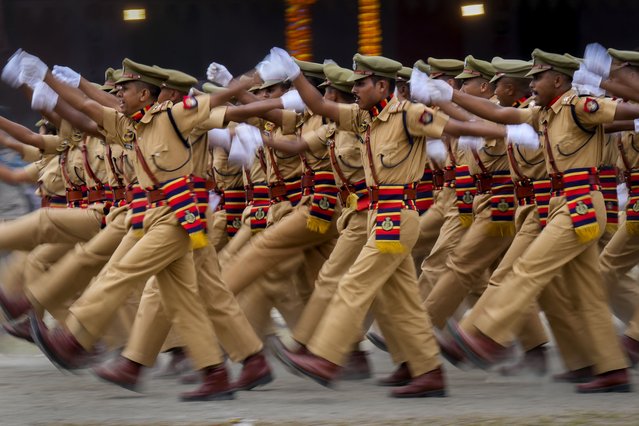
x=14 y=176
x=314 y=99
x=487 y=109
x=475 y=128
x=76 y=99
x=21 y=133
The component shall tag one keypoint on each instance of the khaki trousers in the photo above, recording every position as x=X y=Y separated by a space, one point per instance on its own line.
x=152 y=326
x=50 y=225
x=430 y=223
x=467 y=263
x=163 y=251
x=391 y=278
x=557 y=252
x=352 y=228
x=235 y=244
x=618 y=257
x=72 y=274
x=449 y=234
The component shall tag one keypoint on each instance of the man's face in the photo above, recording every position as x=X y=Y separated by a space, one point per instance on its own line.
x=274 y=91
x=472 y=86
x=132 y=97
x=367 y=93
x=504 y=92
x=543 y=88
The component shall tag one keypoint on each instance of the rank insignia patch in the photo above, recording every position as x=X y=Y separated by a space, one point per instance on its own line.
x=591 y=105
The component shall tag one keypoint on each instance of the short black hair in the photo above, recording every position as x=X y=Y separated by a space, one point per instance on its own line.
x=391 y=82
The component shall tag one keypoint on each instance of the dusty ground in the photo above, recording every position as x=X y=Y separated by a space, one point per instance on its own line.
x=33 y=392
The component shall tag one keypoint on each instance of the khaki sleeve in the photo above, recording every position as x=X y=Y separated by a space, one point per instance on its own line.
x=289 y=122
x=30 y=154
x=424 y=121
x=33 y=171
x=318 y=139
x=595 y=111
x=530 y=116
x=114 y=125
x=348 y=117
x=192 y=112
x=215 y=120
x=53 y=144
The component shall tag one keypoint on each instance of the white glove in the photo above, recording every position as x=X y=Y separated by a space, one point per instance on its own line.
x=470 y=142
x=11 y=71
x=597 y=60
x=238 y=154
x=44 y=98
x=622 y=196
x=420 y=90
x=33 y=69
x=221 y=138
x=584 y=89
x=269 y=70
x=217 y=73
x=66 y=75
x=585 y=77
x=522 y=134
x=280 y=59
x=442 y=90
x=293 y=101
x=636 y=124
x=250 y=140
x=436 y=150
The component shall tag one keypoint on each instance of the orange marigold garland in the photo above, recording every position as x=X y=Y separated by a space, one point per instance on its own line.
x=370 y=29
x=299 y=39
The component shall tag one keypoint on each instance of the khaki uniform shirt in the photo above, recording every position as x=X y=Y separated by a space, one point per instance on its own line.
x=571 y=146
x=396 y=161
x=159 y=143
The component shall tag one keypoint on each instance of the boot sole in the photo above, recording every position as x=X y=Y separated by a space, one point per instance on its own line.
x=616 y=388
x=293 y=368
x=225 y=396
x=428 y=394
x=39 y=341
x=470 y=354
x=266 y=379
x=133 y=388
x=393 y=384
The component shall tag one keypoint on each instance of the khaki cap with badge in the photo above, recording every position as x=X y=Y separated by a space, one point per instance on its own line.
x=366 y=66
x=134 y=71
x=544 y=61
x=338 y=77
x=474 y=68
x=625 y=57
x=439 y=67
x=269 y=83
x=311 y=69
x=177 y=80
x=515 y=68
x=404 y=74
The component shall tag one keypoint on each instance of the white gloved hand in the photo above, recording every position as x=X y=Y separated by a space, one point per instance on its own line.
x=44 y=98
x=293 y=101
x=250 y=140
x=420 y=89
x=597 y=60
x=66 y=75
x=441 y=91
x=436 y=150
x=636 y=124
x=11 y=71
x=269 y=70
x=220 y=138
x=285 y=61
x=522 y=134
x=470 y=142
x=622 y=196
x=217 y=73
x=32 y=68
x=585 y=77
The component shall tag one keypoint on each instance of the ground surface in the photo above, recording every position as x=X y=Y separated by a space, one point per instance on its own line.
x=33 y=392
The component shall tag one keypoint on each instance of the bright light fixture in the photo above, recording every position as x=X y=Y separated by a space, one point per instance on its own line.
x=473 y=9
x=134 y=14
